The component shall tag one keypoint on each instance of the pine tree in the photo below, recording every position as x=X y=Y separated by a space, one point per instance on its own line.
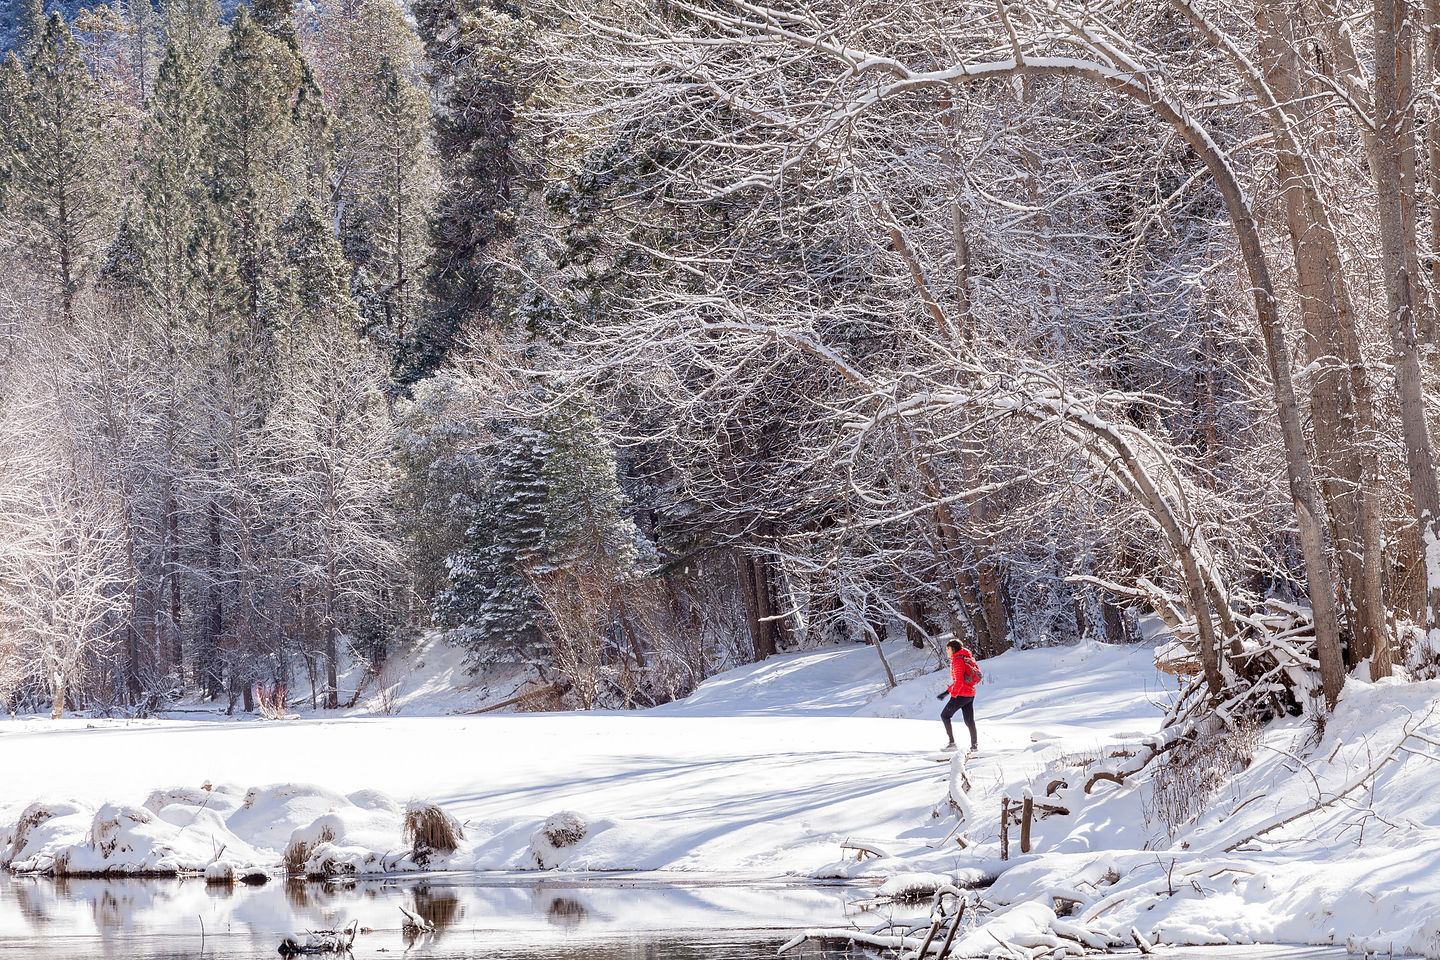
x=123 y=270
x=490 y=598
x=252 y=145
x=144 y=43
x=315 y=289
x=192 y=27
x=29 y=24
x=368 y=61
x=390 y=227
x=275 y=17
x=14 y=104
x=59 y=187
x=473 y=48
x=553 y=516
x=586 y=513
x=172 y=185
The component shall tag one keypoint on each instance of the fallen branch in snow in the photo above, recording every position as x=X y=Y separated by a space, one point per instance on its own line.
x=897 y=942
x=886 y=941
x=1132 y=758
x=555 y=688
x=1132 y=762
x=321 y=941
x=1322 y=801
x=1145 y=945
x=861 y=848
x=414 y=924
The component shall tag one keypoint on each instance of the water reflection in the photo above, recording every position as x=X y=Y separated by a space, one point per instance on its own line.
x=566 y=912
x=438 y=906
x=600 y=919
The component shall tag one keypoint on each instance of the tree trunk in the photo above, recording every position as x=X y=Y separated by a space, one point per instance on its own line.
x=1340 y=402
x=1391 y=131
x=913 y=612
x=1432 y=140
x=1114 y=620
x=332 y=655
x=762 y=638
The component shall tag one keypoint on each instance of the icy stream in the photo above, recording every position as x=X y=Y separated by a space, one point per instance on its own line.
x=499 y=918
x=597 y=918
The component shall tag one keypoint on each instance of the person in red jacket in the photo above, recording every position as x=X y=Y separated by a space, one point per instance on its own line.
x=963 y=674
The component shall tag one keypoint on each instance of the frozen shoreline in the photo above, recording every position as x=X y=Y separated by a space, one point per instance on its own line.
x=768 y=770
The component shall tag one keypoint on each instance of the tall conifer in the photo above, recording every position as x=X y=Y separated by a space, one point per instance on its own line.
x=60 y=175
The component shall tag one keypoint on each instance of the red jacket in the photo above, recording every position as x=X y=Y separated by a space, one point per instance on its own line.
x=962 y=674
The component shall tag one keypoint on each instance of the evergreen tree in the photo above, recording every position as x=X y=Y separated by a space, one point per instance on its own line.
x=586 y=513
x=144 y=43
x=490 y=598
x=59 y=185
x=473 y=49
x=252 y=146
x=553 y=518
x=14 y=103
x=172 y=186
x=123 y=269
x=29 y=24
x=192 y=27
x=315 y=289
x=275 y=17
x=367 y=59
x=389 y=232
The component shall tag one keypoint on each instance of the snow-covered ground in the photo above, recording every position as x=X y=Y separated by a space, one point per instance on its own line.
x=767 y=771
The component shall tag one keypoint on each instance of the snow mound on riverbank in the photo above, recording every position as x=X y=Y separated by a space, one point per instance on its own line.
x=300 y=829
x=191 y=830
x=1327 y=837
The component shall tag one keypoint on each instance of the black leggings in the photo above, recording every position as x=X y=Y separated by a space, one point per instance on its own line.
x=966 y=706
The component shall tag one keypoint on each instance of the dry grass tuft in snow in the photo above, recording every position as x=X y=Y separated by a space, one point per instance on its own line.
x=429 y=829
x=303 y=843
x=559 y=831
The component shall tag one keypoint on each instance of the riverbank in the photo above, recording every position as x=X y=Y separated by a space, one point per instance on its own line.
x=775 y=770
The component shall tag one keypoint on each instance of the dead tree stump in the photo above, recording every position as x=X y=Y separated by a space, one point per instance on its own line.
x=1004 y=828
x=1025 y=818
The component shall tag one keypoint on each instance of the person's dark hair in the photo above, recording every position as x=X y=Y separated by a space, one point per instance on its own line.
x=954 y=646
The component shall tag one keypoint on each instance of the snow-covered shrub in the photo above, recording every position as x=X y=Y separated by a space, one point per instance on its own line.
x=561 y=830
x=304 y=840
x=1421 y=655
x=25 y=830
x=109 y=832
x=373 y=800
x=332 y=860
x=193 y=796
x=220 y=873
x=430 y=830
x=1183 y=780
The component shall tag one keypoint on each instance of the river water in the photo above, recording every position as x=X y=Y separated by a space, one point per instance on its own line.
x=496 y=917
x=505 y=918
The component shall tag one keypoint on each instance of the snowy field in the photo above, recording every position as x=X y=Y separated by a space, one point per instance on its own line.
x=766 y=772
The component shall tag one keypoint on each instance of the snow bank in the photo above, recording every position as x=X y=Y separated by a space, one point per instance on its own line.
x=1327 y=837
x=218 y=832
